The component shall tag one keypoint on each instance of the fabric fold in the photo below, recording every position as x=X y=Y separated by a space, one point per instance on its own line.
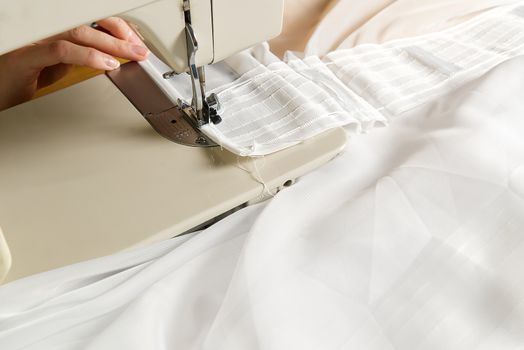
x=279 y=104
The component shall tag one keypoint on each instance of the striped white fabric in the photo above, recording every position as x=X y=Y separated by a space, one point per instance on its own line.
x=277 y=104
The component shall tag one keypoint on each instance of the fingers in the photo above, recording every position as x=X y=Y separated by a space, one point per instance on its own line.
x=90 y=37
x=46 y=61
x=36 y=57
x=120 y=29
x=121 y=42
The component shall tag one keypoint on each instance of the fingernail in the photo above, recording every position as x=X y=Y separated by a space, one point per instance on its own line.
x=133 y=38
x=111 y=63
x=139 y=50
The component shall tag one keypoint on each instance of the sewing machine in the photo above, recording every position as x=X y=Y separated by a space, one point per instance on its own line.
x=105 y=165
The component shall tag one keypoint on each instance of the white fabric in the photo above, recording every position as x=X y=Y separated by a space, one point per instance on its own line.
x=275 y=105
x=412 y=239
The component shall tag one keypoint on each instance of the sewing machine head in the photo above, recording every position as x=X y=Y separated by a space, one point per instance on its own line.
x=185 y=34
x=83 y=176
x=222 y=27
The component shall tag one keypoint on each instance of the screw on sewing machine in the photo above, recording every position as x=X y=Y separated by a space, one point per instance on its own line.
x=213 y=106
x=212 y=101
x=186 y=5
x=169 y=75
x=201 y=140
x=214 y=117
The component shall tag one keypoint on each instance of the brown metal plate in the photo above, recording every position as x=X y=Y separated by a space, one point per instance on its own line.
x=174 y=125
x=166 y=118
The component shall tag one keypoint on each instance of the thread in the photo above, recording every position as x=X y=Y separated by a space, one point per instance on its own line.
x=255 y=173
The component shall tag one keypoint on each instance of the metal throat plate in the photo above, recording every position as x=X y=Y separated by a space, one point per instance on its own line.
x=165 y=117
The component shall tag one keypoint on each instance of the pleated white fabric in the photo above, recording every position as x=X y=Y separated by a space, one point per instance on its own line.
x=275 y=104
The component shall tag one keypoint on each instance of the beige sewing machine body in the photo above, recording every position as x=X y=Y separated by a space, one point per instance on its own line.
x=83 y=173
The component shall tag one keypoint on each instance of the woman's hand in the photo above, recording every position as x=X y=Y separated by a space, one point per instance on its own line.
x=29 y=68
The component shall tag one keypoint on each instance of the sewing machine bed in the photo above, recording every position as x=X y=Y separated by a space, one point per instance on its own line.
x=84 y=175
